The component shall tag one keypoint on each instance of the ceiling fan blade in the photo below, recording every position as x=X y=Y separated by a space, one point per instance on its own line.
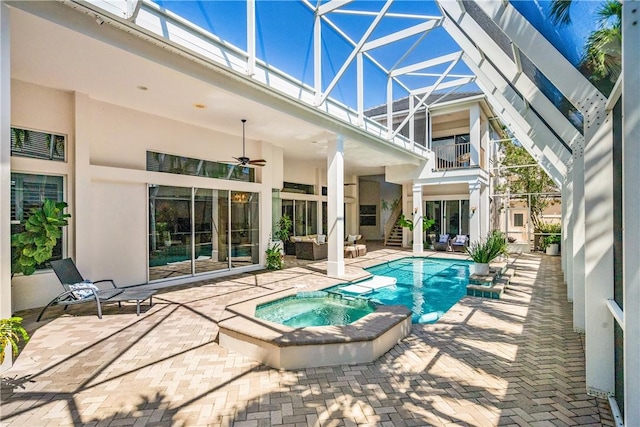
x=349 y=183
x=260 y=162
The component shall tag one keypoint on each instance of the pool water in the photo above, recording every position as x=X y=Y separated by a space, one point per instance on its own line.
x=314 y=309
x=429 y=287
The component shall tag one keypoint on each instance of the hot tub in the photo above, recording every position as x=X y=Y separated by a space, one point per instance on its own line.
x=314 y=309
x=286 y=347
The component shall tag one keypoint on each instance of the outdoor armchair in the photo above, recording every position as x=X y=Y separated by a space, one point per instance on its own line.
x=441 y=243
x=459 y=243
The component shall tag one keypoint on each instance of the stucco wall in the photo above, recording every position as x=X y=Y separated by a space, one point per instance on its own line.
x=114 y=209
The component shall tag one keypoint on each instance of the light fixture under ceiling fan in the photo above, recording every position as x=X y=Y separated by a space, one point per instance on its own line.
x=244 y=160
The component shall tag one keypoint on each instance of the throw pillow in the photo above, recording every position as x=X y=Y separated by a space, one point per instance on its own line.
x=351 y=239
x=84 y=289
x=461 y=238
x=322 y=238
x=444 y=238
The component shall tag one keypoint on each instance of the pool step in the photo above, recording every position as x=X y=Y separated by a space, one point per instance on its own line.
x=493 y=284
x=369 y=285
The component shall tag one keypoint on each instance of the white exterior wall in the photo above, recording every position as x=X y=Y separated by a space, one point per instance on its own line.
x=5 y=164
x=106 y=171
x=599 y=346
x=49 y=110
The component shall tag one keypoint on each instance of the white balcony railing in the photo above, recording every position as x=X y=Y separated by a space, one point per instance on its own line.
x=452 y=156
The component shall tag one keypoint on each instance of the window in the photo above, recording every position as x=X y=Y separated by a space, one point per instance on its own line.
x=292 y=187
x=368 y=215
x=304 y=215
x=37 y=145
x=29 y=191
x=160 y=162
x=518 y=220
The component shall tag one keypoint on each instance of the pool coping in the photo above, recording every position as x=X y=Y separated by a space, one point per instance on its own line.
x=284 y=347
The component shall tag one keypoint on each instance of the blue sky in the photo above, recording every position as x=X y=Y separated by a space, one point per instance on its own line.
x=285 y=30
x=285 y=41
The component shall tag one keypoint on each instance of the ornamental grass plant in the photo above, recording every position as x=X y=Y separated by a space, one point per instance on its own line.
x=486 y=250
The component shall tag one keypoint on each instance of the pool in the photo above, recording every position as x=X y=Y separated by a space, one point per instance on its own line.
x=429 y=287
x=314 y=309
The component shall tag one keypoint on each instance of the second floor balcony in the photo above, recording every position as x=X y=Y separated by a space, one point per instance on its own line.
x=455 y=156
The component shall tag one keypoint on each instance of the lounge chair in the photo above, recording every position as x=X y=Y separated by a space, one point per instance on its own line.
x=77 y=290
x=459 y=243
x=442 y=244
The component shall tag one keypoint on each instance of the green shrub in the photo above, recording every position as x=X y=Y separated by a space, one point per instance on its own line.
x=284 y=228
x=275 y=260
x=35 y=245
x=11 y=331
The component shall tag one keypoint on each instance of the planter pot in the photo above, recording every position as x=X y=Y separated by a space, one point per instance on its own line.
x=480 y=268
x=552 y=249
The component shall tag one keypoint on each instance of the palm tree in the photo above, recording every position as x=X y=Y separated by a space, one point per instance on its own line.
x=602 y=58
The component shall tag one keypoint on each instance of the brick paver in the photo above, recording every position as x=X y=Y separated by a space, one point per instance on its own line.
x=514 y=361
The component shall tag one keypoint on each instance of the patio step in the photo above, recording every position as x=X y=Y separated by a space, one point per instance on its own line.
x=493 y=284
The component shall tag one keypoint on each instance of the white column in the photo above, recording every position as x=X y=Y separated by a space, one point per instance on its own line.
x=266 y=202
x=567 y=225
x=335 y=207
x=578 y=238
x=406 y=237
x=599 y=345
x=474 y=134
x=318 y=198
x=631 y=208
x=251 y=37
x=5 y=163
x=317 y=58
x=563 y=221
x=80 y=235
x=483 y=210
x=475 y=223
x=418 y=211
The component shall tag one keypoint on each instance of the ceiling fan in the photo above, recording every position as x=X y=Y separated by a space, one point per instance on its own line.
x=244 y=160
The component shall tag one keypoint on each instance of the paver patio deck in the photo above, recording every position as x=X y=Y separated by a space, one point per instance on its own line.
x=513 y=361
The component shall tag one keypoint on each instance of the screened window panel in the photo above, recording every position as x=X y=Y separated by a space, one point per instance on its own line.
x=37 y=145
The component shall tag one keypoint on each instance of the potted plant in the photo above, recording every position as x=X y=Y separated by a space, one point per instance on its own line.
x=275 y=259
x=551 y=244
x=35 y=244
x=282 y=234
x=11 y=331
x=486 y=250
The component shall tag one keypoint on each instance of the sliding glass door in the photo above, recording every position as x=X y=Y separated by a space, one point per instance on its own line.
x=245 y=236
x=210 y=230
x=190 y=230
x=451 y=216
